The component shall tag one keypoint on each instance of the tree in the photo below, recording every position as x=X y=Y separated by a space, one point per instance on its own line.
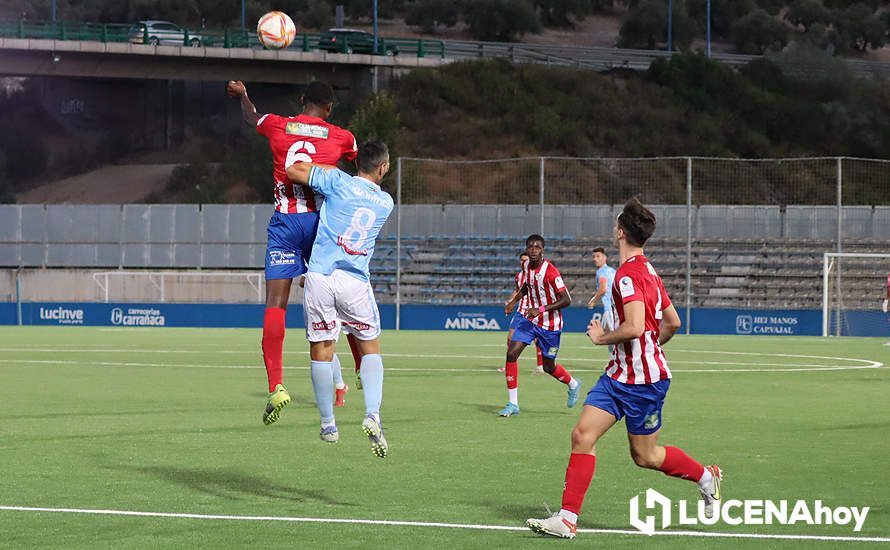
x=500 y=20
x=723 y=13
x=562 y=13
x=646 y=26
x=860 y=28
x=378 y=120
x=805 y=13
x=429 y=14
x=758 y=32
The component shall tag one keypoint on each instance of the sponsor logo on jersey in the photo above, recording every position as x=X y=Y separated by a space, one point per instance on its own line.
x=308 y=130
x=349 y=250
x=136 y=317
x=281 y=257
x=626 y=286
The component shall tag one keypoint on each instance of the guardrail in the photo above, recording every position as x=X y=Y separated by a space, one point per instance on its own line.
x=581 y=57
x=227 y=38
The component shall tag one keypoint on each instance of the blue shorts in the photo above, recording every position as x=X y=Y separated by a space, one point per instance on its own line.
x=525 y=331
x=641 y=403
x=290 y=244
x=514 y=320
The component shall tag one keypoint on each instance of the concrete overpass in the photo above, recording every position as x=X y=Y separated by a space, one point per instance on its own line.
x=33 y=57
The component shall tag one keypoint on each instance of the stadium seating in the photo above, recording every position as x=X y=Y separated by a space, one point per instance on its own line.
x=726 y=273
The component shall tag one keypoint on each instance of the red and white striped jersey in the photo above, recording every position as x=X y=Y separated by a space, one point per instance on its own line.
x=522 y=305
x=544 y=284
x=641 y=360
x=302 y=138
x=888 y=282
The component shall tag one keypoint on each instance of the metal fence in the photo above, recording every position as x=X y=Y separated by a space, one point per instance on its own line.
x=731 y=232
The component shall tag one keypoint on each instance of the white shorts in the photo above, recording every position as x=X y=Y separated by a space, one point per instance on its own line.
x=330 y=301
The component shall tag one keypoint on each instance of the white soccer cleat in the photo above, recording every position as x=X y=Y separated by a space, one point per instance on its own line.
x=711 y=493
x=372 y=429
x=554 y=526
x=330 y=434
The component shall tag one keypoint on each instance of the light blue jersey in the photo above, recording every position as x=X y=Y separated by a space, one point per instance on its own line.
x=607 y=273
x=353 y=212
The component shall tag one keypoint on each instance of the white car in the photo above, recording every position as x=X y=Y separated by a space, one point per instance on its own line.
x=163 y=32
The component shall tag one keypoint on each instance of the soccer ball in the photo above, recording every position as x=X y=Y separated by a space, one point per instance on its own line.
x=276 y=30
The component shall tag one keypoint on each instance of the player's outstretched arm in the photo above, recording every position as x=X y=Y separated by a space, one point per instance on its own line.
x=669 y=325
x=633 y=326
x=298 y=172
x=236 y=88
x=600 y=292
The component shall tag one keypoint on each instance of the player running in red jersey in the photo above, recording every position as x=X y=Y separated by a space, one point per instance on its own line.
x=307 y=137
x=519 y=301
x=635 y=382
x=541 y=321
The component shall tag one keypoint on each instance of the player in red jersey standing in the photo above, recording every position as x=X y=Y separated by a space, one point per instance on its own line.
x=546 y=296
x=635 y=382
x=307 y=137
x=886 y=296
x=519 y=301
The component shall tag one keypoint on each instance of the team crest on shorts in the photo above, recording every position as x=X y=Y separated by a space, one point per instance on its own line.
x=553 y=350
x=282 y=257
x=651 y=421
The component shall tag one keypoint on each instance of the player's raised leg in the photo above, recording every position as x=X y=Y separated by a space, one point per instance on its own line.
x=592 y=424
x=674 y=462
x=340 y=387
x=277 y=291
x=548 y=345
x=322 y=329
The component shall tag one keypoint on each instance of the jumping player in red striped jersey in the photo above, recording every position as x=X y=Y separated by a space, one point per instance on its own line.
x=307 y=137
x=635 y=383
x=541 y=321
x=519 y=301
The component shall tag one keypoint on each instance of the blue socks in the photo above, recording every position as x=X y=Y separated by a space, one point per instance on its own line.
x=323 y=384
x=372 y=384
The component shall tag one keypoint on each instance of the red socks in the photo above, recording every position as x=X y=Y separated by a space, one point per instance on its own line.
x=561 y=374
x=512 y=372
x=540 y=357
x=679 y=464
x=356 y=355
x=578 y=476
x=273 y=344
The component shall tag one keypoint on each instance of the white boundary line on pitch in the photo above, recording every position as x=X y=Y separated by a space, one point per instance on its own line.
x=14 y=362
x=400 y=523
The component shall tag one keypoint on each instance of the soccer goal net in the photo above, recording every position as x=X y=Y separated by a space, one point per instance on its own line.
x=854 y=287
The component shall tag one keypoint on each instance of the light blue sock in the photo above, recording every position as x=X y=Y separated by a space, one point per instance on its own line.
x=323 y=384
x=372 y=383
x=338 y=376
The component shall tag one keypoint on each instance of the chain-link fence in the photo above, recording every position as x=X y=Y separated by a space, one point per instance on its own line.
x=731 y=233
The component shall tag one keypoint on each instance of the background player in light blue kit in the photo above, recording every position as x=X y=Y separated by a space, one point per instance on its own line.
x=605 y=276
x=338 y=280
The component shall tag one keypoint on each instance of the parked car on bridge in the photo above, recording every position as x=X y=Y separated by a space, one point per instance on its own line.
x=354 y=41
x=163 y=32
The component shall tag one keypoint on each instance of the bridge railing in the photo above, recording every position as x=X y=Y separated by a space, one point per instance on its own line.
x=183 y=36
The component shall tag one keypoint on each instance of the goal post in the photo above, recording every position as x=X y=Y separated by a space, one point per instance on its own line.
x=853 y=287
